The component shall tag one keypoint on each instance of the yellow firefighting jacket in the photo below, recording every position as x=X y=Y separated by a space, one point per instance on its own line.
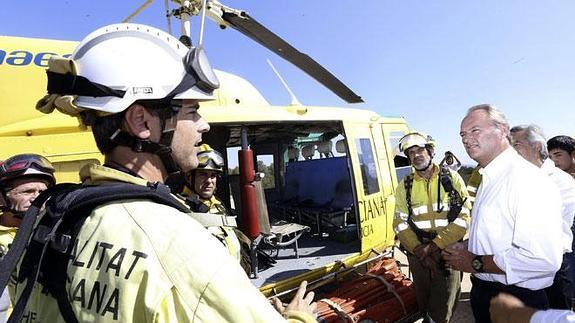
x=425 y=211
x=7 y=235
x=473 y=184
x=140 y=261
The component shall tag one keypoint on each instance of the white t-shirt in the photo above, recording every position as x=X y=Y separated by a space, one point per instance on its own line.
x=553 y=316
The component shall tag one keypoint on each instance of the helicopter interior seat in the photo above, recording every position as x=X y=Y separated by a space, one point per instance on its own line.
x=340 y=146
x=324 y=149
x=293 y=154
x=319 y=193
x=276 y=233
x=308 y=151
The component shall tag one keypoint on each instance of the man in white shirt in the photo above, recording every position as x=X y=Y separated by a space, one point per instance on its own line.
x=530 y=143
x=512 y=244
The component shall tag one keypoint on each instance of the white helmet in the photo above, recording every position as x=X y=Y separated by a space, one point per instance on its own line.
x=412 y=139
x=138 y=62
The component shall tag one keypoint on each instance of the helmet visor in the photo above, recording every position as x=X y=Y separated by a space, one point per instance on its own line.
x=20 y=163
x=207 y=157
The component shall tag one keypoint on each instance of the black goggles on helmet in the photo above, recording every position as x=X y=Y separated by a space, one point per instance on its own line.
x=18 y=164
x=207 y=157
x=199 y=73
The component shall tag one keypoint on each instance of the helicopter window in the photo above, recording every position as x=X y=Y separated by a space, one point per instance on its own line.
x=367 y=165
x=402 y=165
x=266 y=166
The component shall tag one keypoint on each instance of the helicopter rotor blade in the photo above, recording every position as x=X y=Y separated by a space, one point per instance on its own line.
x=248 y=26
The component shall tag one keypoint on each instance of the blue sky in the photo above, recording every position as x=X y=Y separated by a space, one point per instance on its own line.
x=427 y=61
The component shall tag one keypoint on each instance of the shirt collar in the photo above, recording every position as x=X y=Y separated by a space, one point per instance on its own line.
x=209 y=202
x=498 y=166
x=92 y=174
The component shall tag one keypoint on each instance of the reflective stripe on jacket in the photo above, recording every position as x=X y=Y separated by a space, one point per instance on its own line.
x=425 y=215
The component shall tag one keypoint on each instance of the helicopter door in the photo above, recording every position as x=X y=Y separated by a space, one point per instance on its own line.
x=368 y=182
x=386 y=177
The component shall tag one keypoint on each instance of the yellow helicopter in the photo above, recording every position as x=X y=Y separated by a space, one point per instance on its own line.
x=325 y=205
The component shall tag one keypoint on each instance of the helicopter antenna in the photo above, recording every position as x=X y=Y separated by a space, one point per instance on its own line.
x=168 y=15
x=294 y=100
x=202 y=21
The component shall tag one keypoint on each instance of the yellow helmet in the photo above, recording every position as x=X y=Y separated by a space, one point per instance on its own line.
x=415 y=138
x=210 y=159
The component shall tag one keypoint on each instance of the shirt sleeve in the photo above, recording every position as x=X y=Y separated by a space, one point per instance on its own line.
x=553 y=316
x=456 y=230
x=535 y=251
x=404 y=233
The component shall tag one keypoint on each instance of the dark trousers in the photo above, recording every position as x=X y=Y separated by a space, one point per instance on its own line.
x=482 y=292
x=436 y=296
x=561 y=292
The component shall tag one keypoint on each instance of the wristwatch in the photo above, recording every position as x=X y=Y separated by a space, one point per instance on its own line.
x=477 y=264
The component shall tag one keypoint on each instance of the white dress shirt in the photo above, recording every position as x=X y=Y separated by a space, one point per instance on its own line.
x=516 y=218
x=553 y=316
x=566 y=185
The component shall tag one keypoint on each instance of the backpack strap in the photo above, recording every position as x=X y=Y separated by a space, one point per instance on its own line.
x=66 y=210
x=422 y=235
x=20 y=243
x=455 y=201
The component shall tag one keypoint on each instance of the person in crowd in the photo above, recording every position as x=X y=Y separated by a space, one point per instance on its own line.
x=428 y=217
x=451 y=161
x=22 y=178
x=529 y=142
x=562 y=152
x=139 y=89
x=515 y=221
x=506 y=308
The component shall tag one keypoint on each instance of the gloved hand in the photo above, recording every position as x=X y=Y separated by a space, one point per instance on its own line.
x=419 y=251
x=431 y=249
x=429 y=263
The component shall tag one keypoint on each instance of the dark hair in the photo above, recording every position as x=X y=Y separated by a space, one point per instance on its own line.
x=103 y=127
x=561 y=142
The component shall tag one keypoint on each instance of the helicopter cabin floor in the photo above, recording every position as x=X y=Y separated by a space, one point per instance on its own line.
x=314 y=252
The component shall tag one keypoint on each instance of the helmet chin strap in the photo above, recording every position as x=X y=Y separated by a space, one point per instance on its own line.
x=160 y=149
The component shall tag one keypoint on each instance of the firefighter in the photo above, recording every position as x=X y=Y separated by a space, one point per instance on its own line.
x=135 y=259
x=22 y=178
x=201 y=186
x=431 y=212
